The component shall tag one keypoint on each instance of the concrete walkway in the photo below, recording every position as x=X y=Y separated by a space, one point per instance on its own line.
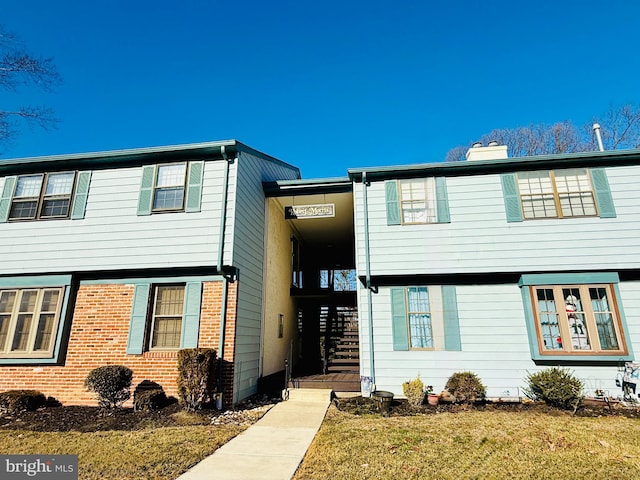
x=273 y=447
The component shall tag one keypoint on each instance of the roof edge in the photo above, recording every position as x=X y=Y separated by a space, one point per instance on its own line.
x=606 y=158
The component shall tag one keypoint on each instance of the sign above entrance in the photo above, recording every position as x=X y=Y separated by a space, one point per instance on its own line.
x=309 y=211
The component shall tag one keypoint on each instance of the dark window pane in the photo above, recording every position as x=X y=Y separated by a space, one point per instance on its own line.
x=26 y=209
x=168 y=198
x=43 y=334
x=55 y=208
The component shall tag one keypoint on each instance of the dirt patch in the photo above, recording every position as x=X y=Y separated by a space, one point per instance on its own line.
x=92 y=419
x=400 y=407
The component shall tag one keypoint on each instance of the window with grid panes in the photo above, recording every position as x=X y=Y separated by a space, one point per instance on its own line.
x=28 y=321
x=42 y=196
x=418 y=200
x=419 y=318
x=167 y=316
x=577 y=319
x=169 y=188
x=557 y=194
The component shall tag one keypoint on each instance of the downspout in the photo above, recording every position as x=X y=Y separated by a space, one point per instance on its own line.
x=368 y=279
x=220 y=271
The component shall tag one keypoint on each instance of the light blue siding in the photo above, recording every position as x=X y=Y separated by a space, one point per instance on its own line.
x=248 y=255
x=479 y=239
x=494 y=339
x=112 y=236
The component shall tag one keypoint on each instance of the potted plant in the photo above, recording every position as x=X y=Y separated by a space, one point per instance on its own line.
x=432 y=397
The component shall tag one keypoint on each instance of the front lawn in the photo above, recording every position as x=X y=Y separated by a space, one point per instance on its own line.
x=162 y=453
x=474 y=444
x=123 y=444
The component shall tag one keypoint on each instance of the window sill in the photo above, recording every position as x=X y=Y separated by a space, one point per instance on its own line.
x=582 y=358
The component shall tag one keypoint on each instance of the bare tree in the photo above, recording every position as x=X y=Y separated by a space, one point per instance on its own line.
x=620 y=128
x=19 y=68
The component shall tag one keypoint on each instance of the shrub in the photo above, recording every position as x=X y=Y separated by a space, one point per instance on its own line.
x=555 y=386
x=414 y=391
x=16 y=401
x=111 y=384
x=149 y=400
x=195 y=369
x=466 y=387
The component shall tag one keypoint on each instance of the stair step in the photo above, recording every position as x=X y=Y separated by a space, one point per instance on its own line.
x=343 y=369
x=344 y=361
x=345 y=355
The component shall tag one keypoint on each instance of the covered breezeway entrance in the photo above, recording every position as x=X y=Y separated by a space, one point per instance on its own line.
x=315 y=220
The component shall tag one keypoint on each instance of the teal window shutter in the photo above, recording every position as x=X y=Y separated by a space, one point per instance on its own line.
x=399 y=319
x=194 y=187
x=82 y=193
x=5 y=199
x=391 y=198
x=145 y=200
x=138 y=323
x=191 y=316
x=450 y=318
x=603 y=193
x=442 y=200
x=511 y=195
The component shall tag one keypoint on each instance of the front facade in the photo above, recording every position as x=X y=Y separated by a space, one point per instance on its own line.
x=500 y=266
x=125 y=257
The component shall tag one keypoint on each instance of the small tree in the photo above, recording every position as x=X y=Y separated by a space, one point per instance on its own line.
x=111 y=384
x=195 y=369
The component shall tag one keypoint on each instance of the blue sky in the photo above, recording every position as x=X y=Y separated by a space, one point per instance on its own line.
x=323 y=85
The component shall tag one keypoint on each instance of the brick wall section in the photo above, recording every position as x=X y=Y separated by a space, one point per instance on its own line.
x=98 y=337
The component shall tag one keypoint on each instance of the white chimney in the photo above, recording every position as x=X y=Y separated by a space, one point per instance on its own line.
x=493 y=151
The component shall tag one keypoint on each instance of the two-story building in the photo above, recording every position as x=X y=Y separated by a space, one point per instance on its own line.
x=124 y=257
x=497 y=265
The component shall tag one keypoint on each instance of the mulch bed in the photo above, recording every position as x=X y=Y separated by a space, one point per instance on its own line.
x=92 y=419
x=400 y=408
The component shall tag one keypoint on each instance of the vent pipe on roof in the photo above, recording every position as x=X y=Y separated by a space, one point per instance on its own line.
x=596 y=129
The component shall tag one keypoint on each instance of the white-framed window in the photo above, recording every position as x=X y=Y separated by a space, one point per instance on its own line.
x=167 y=314
x=577 y=320
x=169 y=187
x=419 y=318
x=29 y=320
x=418 y=201
x=42 y=196
x=557 y=194
x=425 y=318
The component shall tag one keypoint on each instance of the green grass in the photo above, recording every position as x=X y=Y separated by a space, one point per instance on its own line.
x=160 y=453
x=473 y=445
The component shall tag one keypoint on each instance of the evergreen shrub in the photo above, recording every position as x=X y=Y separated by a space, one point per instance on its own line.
x=195 y=375
x=17 y=401
x=466 y=387
x=111 y=384
x=555 y=386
